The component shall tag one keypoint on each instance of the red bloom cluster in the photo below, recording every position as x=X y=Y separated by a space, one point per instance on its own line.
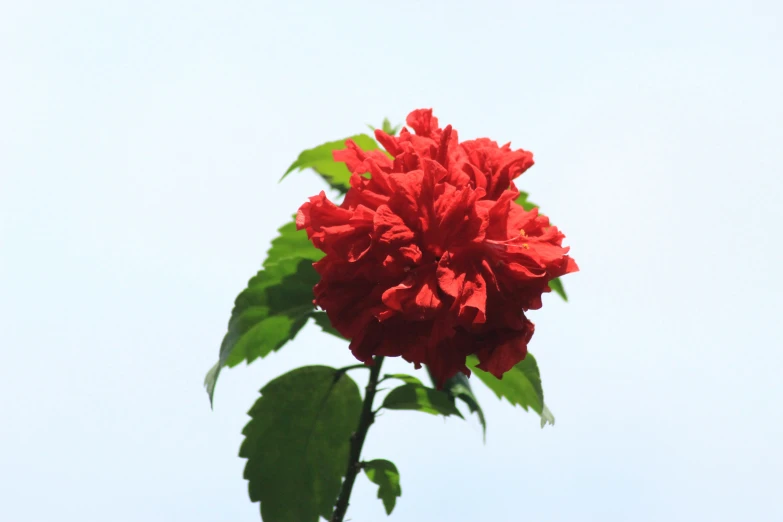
x=429 y=257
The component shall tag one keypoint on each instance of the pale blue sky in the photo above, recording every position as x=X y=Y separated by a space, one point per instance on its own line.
x=140 y=148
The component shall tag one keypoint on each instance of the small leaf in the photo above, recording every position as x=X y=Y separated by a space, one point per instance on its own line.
x=388 y=129
x=297 y=443
x=417 y=397
x=521 y=385
x=275 y=305
x=385 y=475
x=524 y=203
x=320 y=160
x=459 y=388
x=410 y=379
x=557 y=285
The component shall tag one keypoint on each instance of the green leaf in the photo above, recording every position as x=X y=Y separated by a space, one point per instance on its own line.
x=297 y=443
x=275 y=305
x=417 y=397
x=524 y=203
x=521 y=385
x=322 y=320
x=410 y=379
x=320 y=160
x=557 y=285
x=291 y=244
x=385 y=474
x=547 y=417
x=388 y=129
x=459 y=388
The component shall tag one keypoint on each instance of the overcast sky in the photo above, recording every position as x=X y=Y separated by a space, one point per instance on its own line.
x=140 y=148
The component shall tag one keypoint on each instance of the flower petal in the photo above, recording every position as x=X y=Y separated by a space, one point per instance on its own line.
x=461 y=278
x=416 y=297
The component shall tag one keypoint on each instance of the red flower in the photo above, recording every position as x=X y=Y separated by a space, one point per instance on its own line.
x=429 y=257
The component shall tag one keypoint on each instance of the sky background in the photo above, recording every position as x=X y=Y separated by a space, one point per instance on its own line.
x=141 y=145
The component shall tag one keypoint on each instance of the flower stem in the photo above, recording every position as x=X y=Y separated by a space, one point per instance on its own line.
x=357 y=441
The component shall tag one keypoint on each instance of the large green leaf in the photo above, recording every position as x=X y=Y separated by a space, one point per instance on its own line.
x=320 y=160
x=421 y=398
x=459 y=388
x=521 y=385
x=275 y=305
x=291 y=243
x=297 y=443
x=385 y=474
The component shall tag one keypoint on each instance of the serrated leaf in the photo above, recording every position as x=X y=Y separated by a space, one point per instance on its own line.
x=322 y=320
x=557 y=286
x=291 y=243
x=421 y=398
x=275 y=305
x=459 y=388
x=385 y=475
x=521 y=385
x=404 y=377
x=320 y=159
x=297 y=443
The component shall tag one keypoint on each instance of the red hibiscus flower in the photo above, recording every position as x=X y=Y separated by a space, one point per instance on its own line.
x=429 y=257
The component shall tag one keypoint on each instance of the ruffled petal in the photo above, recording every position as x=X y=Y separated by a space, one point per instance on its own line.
x=429 y=257
x=461 y=278
x=504 y=351
x=416 y=297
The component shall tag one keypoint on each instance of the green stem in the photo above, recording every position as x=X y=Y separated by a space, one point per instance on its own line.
x=357 y=441
x=354 y=367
